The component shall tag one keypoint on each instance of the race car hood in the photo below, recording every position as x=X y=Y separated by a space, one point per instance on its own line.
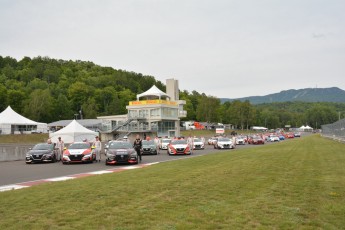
x=179 y=146
x=225 y=142
x=148 y=146
x=120 y=151
x=78 y=151
x=40 y=152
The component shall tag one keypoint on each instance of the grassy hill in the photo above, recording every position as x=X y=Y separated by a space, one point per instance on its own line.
x=296 y=184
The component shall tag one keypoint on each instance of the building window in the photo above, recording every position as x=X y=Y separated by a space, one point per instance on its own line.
x=155 y=113
x=169 y=113
x=132 y=113
x=164 y=127
x=143 y=113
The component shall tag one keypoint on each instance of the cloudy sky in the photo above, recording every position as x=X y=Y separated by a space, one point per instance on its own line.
x=223 y=48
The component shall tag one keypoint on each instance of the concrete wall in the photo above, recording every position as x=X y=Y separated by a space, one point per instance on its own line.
x=14 y=152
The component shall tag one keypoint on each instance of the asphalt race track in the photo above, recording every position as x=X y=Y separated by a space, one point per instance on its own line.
x=18 y=171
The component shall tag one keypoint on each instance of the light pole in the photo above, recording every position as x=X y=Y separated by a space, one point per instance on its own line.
x=265 y=122
x=81 y=114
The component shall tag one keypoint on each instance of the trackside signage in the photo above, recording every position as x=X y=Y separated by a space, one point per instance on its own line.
x=219 y=130
x=152 y=102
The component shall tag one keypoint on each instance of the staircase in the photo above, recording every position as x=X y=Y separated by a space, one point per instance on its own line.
x=123 y=125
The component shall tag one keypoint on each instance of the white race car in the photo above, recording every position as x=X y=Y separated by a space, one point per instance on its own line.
x=164 y=143
x=198 y=144
x=273 y=138
x=224 y=143
x=240 y=140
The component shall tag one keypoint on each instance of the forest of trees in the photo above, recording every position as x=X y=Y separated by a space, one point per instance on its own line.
x=46 y=90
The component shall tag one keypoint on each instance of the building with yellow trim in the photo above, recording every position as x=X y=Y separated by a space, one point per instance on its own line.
x=153 y=113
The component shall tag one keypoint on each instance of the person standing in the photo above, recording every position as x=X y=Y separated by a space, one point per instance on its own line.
x=60 y=145
x=138 y=146
x=190 y=141
x=234 y=141
x=203 y=140
x=157 y=143
x=97 y=144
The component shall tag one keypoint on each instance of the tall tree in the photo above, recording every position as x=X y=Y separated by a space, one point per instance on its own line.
x=39 y=105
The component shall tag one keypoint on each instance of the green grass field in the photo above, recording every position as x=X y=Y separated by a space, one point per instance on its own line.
x=24 y=138
x=296 y=184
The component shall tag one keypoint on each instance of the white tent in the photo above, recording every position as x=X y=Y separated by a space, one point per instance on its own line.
x=14 y=123
x=305 y=128
x=259 y=128
x=73 y=132
x=153 y=92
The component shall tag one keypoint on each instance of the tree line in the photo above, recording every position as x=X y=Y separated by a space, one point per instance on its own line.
x=46 y=90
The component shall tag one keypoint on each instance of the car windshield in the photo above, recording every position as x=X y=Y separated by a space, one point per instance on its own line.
x=120 y=145
x=165 y=140
x=197 y=140
x=179 y=142
x=224 y=139
x=43 y=147
x=148 y=142
x=79 y=146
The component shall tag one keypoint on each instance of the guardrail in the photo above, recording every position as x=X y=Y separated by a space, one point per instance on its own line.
x=13 y=152
x=334 y=138
x=334 y=131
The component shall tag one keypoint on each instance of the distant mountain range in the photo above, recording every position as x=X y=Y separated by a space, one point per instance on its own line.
x=333 y=94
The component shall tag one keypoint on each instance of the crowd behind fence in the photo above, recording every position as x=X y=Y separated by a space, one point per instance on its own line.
x=335 y=131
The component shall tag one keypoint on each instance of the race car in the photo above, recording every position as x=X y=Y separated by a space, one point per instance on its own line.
x=164 y=143
x=178 y=147
x=273 y=138
x=121 y=152
x=79 y=152
x=224 y=143
x=149 y=147
x=212 y=140
x=240 y=140
x=255 y=140
x=198 y=144
x=41 y=152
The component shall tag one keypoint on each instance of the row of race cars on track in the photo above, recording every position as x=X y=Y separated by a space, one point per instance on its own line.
x=123 y=152
x=254 y=138
x=116 y=152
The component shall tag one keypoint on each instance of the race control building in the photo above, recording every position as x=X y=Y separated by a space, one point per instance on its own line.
x=153 y=113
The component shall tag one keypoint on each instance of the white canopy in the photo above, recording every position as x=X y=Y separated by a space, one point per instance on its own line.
x=153 y=92
x=10 y=122
x=259 y=128
x=73 y=132
x=9 y=116
x=305 y=128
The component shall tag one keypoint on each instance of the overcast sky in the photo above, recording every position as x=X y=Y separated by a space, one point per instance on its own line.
x=223 y=48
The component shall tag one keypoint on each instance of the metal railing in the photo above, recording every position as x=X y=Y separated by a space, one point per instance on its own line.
x=335 y=131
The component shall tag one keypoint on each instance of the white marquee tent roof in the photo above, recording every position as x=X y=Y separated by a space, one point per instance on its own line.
x=153 y=91
x=73 y=132
x=9 y=116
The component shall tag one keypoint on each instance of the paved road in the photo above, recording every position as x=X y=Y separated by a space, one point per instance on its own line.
x=17 y=171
